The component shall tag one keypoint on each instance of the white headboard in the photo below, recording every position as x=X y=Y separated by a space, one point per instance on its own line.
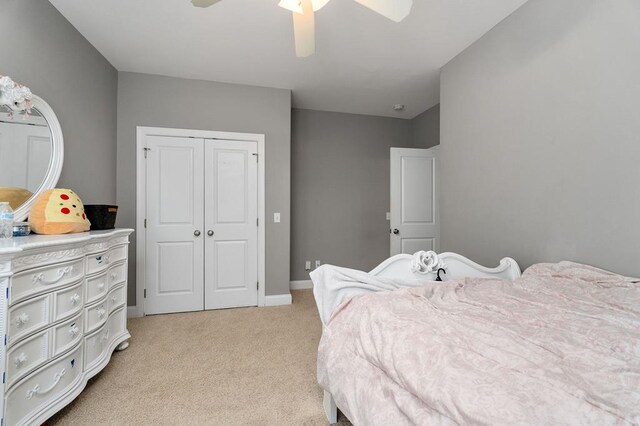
x=455 y=265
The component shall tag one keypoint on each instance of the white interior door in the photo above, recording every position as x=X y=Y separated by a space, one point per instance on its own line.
x=415 y=223
x=231 y=217
x=174 y=270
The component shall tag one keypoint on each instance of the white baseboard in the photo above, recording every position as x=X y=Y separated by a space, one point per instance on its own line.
x=278 y=300
x=301 y=285
x=133 y=312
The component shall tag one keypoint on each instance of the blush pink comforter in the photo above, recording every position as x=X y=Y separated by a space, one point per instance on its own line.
x=561 y=345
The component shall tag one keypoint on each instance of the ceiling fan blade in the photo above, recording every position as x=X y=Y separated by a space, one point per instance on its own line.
x=396 y=10
x=304 y=29
x=318 y=4
x=204 y=3
x=291 y=5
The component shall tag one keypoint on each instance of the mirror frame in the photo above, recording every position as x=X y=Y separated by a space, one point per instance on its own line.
x=57 y=156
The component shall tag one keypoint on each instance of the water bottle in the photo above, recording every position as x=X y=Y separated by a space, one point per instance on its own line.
x=6 y=220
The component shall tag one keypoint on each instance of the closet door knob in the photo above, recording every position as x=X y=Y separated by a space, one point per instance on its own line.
x=210 y=233
x=196 y=233
x=396 y=231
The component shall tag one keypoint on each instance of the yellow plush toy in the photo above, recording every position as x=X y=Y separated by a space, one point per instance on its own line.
x=58 y=211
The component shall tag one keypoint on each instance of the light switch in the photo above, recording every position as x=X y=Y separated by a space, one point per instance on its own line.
x=388 y=216
x=276 y=218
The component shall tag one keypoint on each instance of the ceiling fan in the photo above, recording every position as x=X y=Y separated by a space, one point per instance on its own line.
x=304 y=20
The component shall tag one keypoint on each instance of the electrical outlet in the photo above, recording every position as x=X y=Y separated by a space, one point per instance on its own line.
x=317 y=263
x=276 y=218
x=307 y=265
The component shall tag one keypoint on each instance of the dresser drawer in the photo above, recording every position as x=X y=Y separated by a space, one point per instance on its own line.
x=68 y=301
x=118 y=253
x=117 y=297
x=97 y=262
x=42 y=387
x=44 y=279
x=117 y=274
x=100 y=261
x=95 y=316
x=27 y=317
x=97 y=287
x=66 y=335
x=27 y=355
x=96 y=344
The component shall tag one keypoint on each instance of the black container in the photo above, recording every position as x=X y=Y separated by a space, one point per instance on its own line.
x=101 y=216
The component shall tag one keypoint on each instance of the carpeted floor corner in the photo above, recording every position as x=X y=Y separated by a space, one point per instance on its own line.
x=252 y=366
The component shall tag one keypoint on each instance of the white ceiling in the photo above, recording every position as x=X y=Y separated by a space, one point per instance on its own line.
x=363 y=64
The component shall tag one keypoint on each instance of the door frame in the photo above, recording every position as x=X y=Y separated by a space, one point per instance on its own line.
x=141 y=185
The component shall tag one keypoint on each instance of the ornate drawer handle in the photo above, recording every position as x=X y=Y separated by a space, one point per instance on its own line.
x=73 y=330
x=20 y=360
x=22 y=319
x=39 y=278
x=37 y=391
x=101 y=286
x=101 y=312
x=113 y=276
x=103 y=258
x=114 y=298
x=75 y=299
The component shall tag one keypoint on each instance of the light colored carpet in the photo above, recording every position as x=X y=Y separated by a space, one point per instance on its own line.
x=253 y=366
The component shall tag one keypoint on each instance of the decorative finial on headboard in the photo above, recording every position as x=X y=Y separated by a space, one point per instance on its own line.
x=426 y=262
x=15 y=95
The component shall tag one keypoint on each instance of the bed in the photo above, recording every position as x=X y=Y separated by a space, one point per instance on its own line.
x=559 y=344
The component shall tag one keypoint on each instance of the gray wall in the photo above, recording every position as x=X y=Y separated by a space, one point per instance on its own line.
x=541 y=138
x=340 y=187
x=42 y=50
x=147 y=100
x=426 y=128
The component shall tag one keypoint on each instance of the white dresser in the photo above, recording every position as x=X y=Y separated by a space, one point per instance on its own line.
x=63 y=311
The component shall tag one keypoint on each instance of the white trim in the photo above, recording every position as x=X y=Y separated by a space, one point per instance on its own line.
x=301 y=285
x=133 y=312
x=278 y=300
x=140 y=235
x=57 y=156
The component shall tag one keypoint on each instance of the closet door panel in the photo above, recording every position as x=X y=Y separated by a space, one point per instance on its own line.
x=175 y=225
x=231 y=212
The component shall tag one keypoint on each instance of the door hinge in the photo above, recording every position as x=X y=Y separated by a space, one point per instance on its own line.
x=258 y=285
x=7 y=292
x=145 y=223
x=145 y=151
x=256 y=155
x=258 y=221
x=145 y=293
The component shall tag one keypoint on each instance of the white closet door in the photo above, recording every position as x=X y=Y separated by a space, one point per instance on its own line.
x=415 y=224
x=175 y=219
x=231 y=214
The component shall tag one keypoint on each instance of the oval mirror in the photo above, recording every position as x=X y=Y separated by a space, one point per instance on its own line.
x=31 y=155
